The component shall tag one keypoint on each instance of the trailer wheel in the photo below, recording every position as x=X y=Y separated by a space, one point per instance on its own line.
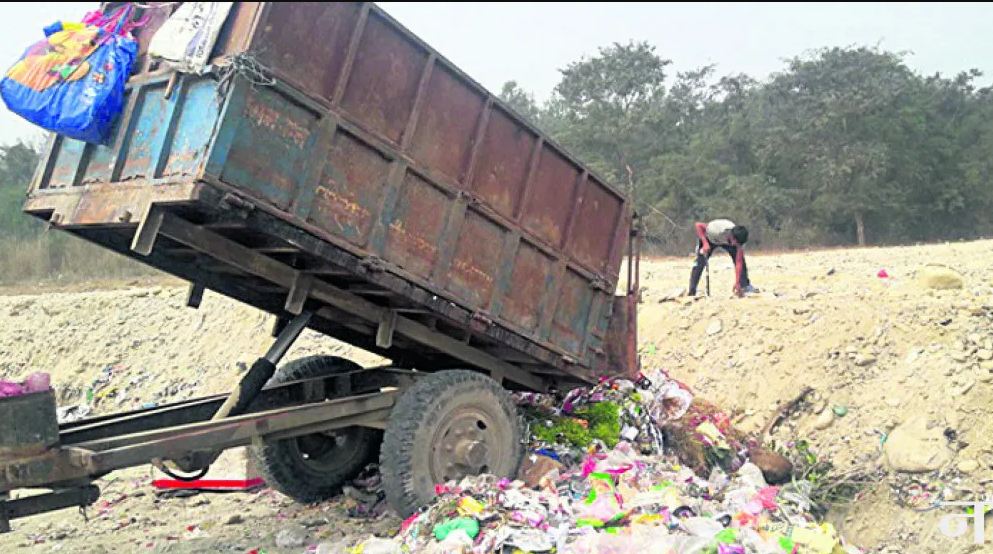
x=313 y=467
x=448 y=425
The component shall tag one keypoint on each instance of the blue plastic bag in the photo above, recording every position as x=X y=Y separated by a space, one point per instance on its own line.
x=72 y=82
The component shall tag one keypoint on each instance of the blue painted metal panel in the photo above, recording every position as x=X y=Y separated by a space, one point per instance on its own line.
x=269 y=150
x=199 y=110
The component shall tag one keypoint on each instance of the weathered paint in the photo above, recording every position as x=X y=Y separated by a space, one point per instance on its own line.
x=379 y=146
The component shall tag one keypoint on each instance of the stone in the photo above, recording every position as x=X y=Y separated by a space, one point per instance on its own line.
x=714 y=327
x=863 y=360
x=235 y=519
x=959 y=357
x=824 y=420
x=939 y=278
x=535 y=468
x=775 y=468
x=968 y=466
x=988 y=366
x=293 y=536
x=914 y=448
x=985 y=355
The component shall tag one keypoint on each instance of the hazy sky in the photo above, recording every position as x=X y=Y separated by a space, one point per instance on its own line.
x=528 y=42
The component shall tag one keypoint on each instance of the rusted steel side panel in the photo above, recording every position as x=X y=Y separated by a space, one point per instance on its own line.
x=546 y=211
x=158 y=136
x=350 y=190
x=383 y=81
x=443 y=137
x=416 y=226
x=598 y=218
x=529 y=281
x=308 y=41
x=476 y=260
x=269 y=149
x=502 y=168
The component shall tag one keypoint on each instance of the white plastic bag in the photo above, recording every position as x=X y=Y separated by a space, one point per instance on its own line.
x=188 y=36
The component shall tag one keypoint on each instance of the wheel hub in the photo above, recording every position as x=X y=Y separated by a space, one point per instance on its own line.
x=466 y=444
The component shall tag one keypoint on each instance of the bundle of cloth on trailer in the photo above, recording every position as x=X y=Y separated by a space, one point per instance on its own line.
x=73 y=81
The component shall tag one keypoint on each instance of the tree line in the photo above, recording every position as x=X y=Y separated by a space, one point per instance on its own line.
x=841 y=146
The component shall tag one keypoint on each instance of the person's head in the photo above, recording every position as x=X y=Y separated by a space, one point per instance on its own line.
x=740 y=234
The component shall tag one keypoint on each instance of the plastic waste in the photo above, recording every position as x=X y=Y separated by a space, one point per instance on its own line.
x=36 y=382
x=466 y=524
x=73 y=82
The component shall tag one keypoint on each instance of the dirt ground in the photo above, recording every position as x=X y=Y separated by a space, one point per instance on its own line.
x=908 y=370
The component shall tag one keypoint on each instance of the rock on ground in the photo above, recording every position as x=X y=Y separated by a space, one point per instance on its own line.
x=938 y=277
x=914 y=448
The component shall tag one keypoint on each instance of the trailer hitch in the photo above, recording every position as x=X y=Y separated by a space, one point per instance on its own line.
x=41 y=503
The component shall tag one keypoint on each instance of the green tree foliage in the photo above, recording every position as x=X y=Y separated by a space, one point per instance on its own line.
x=17 y=165
x=842 y=146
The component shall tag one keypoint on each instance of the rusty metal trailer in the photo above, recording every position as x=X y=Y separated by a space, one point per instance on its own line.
x=360 y=185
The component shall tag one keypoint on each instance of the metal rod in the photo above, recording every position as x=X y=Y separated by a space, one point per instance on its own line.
x=288 y=336
x=707 y=265
x=263 y=368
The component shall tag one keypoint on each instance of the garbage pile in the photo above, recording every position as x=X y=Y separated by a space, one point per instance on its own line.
x=597 y=479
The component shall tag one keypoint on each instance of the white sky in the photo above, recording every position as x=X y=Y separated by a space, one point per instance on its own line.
x=529 y=42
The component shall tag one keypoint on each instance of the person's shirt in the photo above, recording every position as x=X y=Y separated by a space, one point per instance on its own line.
x=719 y=231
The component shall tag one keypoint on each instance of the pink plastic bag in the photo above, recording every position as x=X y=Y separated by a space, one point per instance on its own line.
x=10 y=388
x=36 y=382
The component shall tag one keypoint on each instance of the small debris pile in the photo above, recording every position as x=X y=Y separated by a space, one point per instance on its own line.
x=597 y=479
x=619 y=501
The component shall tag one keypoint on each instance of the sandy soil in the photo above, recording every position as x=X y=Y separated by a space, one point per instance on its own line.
x=903 y=362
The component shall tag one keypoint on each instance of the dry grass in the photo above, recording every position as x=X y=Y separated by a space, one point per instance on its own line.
x=62 y=258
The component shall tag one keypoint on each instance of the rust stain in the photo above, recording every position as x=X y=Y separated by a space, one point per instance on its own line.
x=269 y=118
x=343 y=207
x=472 y=274
x=413 y=242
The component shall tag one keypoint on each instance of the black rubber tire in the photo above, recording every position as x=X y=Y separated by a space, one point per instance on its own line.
x=283 y=464
x=411 y=438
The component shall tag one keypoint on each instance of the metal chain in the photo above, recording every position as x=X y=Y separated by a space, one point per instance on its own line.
x=248 y=67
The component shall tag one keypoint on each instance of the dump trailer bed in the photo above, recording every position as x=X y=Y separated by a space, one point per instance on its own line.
x=364 y=176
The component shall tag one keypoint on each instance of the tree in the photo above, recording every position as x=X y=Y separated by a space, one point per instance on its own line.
x=521 y=101
x=17 y=164
x=837 y=110
x=603 y=109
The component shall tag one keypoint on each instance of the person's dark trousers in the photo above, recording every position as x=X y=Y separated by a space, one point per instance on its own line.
x=701 y=263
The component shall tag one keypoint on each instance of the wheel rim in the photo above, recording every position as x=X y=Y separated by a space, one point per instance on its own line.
x=324 y=452
x=469 y=441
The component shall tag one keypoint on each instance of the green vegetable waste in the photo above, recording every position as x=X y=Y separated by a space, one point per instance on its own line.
x=603 y=424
